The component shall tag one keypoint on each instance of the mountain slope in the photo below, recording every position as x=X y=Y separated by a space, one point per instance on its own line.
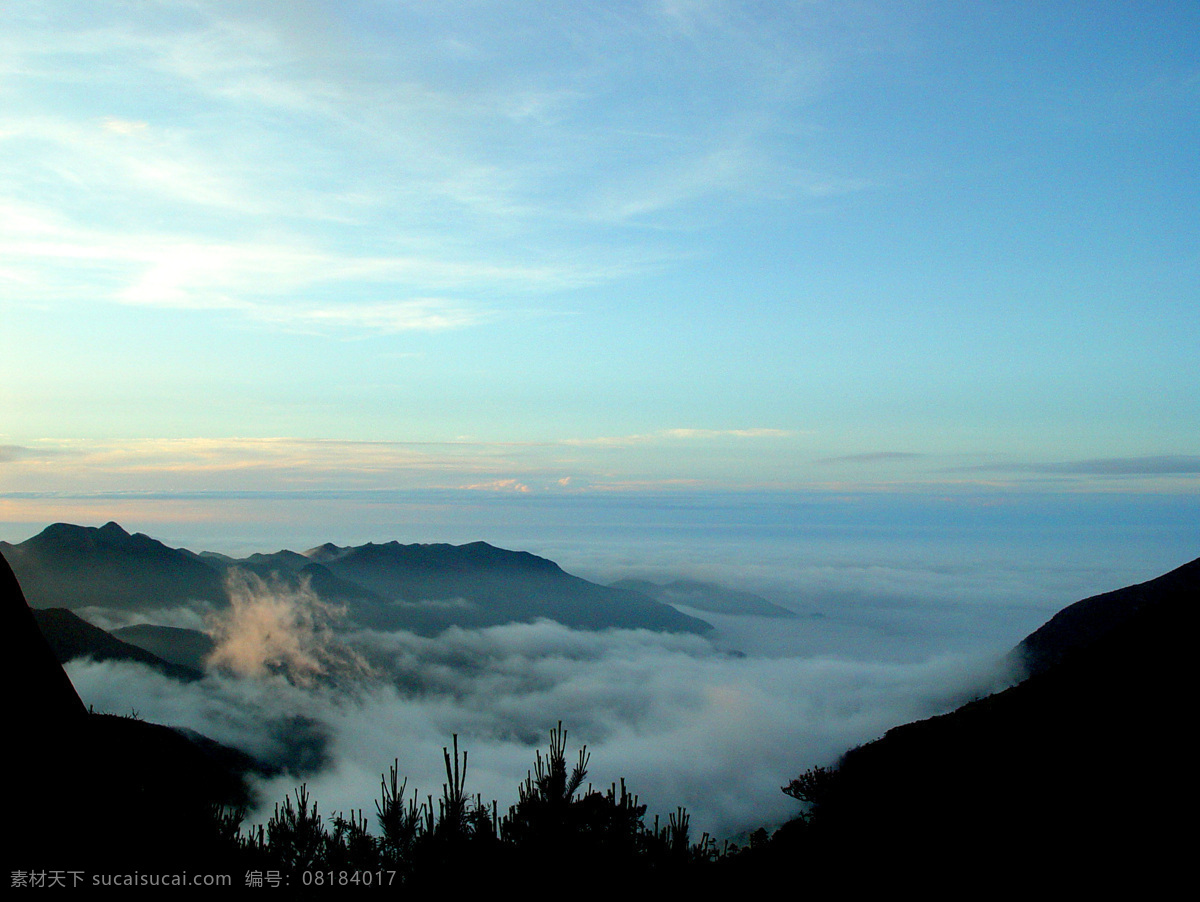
x=186 y=647
x=89 y=791
x=1122 y=616
x=431 y=587
x=67 y=566
x=293 y=572
x=70 y=637
x=39 y=697
x=1091 y=755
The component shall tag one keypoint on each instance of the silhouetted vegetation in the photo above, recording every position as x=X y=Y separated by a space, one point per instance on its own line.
x=557 y=826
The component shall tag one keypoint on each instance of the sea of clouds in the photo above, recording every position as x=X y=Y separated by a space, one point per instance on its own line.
x=716 y=724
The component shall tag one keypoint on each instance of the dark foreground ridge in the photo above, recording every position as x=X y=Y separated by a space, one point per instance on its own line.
x=1082 y=771
x=90 y=790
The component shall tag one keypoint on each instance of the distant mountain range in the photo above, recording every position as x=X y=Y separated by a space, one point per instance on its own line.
x=66 y=566
x=421 y=588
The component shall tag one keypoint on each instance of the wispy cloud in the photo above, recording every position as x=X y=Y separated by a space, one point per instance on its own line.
x=274 y=628
x=679 y=434
x=289 y=285
x=759 y=432
x=287 y=463
x=1149 y=465
x=233 y=463
x=12 y=453
x=347 y=169
x=872 y=457
x=498 y=485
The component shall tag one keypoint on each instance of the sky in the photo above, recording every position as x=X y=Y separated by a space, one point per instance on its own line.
x=355 y=266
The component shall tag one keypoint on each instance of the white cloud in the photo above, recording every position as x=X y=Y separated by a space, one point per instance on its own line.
x=302 y=137
x=499 y=485
x=123 y=126
x=684 y=723
x=680 y=434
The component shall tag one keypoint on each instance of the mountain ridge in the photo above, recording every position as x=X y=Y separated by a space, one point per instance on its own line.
x=68 y=566
x=70 y=637
x=386 y=586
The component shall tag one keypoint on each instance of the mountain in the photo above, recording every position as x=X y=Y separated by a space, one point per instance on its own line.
x=431 y=587
x=292 y=572
x=323 y=554
x=283 y=561
x=70 y=637
x=39 y=699
x=1087 y=763
x=423 y=588
x=1115 y=618
x=185 y=647
x=67 y=566
x=704 y=596
x=89 y=790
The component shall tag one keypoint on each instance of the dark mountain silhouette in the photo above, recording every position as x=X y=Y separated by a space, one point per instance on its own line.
x=39 y=697
x=185 y=647
x=424 y=588
x=85 y=790
x=476 y=585
x=323 y=554
x=70 y=637
x=705 y=596
x=1114 y=618
x=67 y=566
x=1087 y=763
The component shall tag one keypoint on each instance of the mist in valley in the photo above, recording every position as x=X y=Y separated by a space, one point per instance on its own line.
x=897 y=616
x=716 y=723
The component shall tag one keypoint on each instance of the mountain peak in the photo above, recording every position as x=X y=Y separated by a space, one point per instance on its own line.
x=76 y=566
x=110 y=534
x=324 y=553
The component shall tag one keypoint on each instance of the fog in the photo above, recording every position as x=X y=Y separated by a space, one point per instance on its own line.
x=904 y=610
x=716 y=724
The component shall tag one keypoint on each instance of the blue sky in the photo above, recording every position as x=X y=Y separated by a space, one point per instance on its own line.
x=566 y=249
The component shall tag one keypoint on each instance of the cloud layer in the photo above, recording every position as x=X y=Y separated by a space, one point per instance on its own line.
x=683 y=722
x=373 y=181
